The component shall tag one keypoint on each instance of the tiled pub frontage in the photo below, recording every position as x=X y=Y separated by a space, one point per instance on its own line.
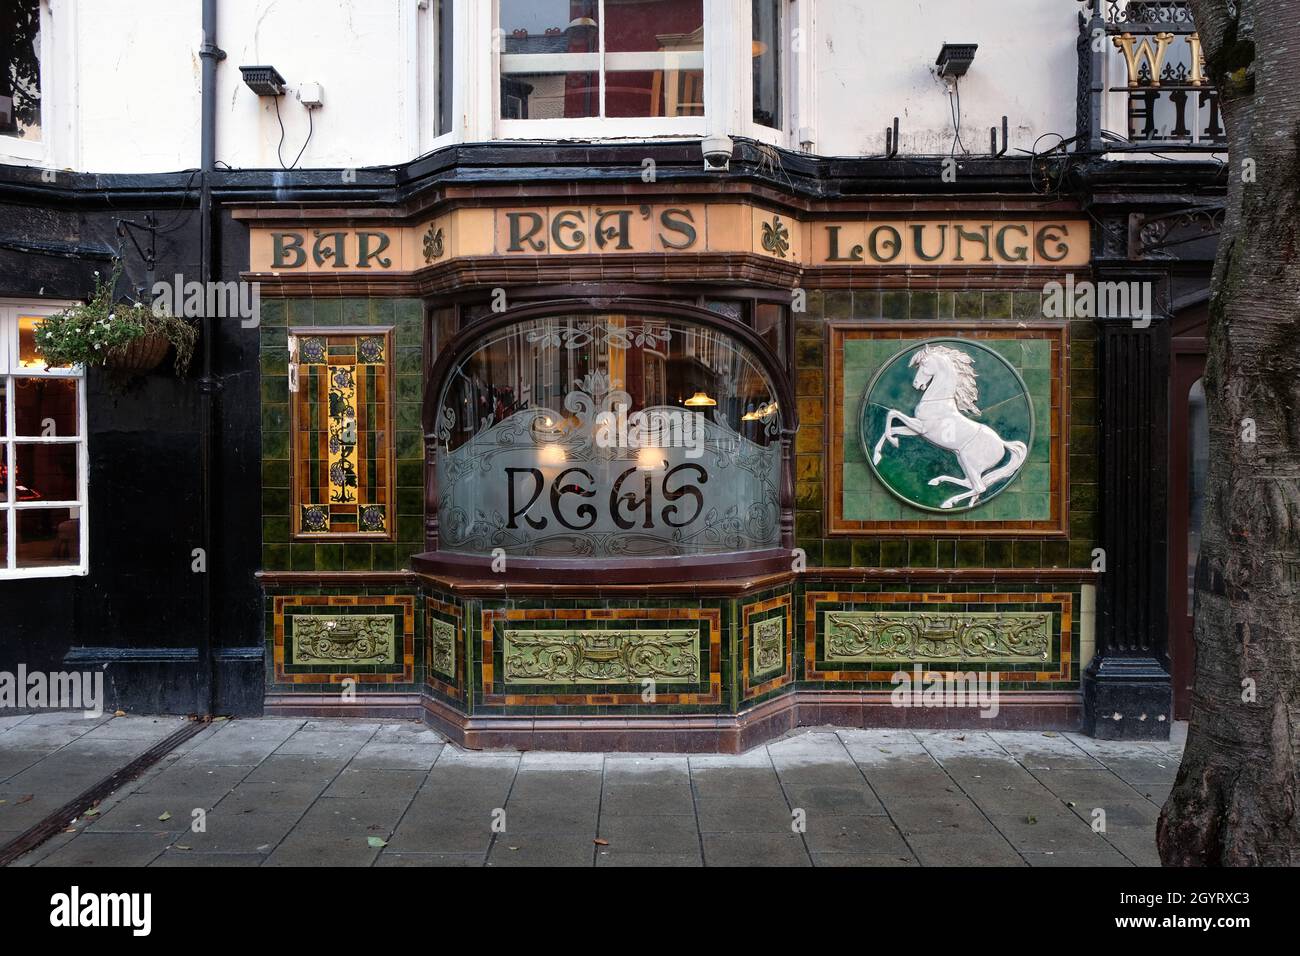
x=659 y=469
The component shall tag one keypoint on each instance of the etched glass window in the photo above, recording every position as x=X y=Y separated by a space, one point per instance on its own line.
x=608 y=436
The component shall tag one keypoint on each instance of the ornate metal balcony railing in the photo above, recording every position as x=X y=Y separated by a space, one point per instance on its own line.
x=1142 y=82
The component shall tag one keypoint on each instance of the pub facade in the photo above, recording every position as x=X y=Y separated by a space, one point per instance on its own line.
x=627 y=418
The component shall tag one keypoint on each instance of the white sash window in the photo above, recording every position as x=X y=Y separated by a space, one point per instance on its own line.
x=43 y=456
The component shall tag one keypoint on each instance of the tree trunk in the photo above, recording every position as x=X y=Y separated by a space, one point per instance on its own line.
x=1234 y=802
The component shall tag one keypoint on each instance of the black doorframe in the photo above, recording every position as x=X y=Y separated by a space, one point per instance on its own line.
x=1188 y=351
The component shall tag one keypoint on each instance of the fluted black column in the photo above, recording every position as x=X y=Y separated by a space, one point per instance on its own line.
x=1127 y=687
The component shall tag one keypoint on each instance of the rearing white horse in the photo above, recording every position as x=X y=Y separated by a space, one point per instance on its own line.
x=947 y=377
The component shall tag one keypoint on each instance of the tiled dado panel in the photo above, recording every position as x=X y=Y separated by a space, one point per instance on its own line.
x=444 y=646
x=404 y=516
x=940 y=546
x=767 y=638
x=328 y=638
x=588 y=658
x=860 y=636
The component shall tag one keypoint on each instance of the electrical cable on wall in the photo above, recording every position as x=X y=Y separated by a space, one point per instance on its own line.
x=279 y=146
x=954 y=107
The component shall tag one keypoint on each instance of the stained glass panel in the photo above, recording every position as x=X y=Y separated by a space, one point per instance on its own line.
x=342 y=438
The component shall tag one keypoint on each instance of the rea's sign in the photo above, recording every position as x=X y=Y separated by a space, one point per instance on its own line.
x=673 y=229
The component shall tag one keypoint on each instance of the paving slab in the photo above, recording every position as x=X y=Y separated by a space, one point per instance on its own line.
x=649 y=835
x=755 y=849
x=109 y=849
x=392 y=753
x=542 y=849
x=873 y=835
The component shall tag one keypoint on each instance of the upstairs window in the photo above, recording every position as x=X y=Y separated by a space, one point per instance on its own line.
x=766 y=54
x=20 y=70
x=596 y=59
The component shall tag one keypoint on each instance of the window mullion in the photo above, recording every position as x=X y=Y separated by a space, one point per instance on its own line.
x=11 y=465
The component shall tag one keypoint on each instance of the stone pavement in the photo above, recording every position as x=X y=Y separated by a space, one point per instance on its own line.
x=287 y=791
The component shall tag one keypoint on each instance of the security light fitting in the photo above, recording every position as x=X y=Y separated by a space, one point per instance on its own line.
x=263 y=80
x=955 y=59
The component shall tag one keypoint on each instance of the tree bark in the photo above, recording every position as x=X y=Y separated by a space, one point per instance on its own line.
x=1234 y=801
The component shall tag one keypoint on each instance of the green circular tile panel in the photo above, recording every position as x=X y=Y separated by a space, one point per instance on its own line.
x=986 y=420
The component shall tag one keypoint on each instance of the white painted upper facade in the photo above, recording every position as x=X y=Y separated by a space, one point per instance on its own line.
x=120 y=79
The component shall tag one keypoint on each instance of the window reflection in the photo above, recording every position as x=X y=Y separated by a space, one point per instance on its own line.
x=20 y=70
x=48 y=537
x=767 y=62
x=45 y=407
x=555 y=54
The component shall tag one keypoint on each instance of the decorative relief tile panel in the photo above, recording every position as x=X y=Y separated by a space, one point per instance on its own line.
x=328 y=638
x=1028 y=636
x=344 y=638
x=951 y=428
x=444 y=655
x=906 y=636
x=442 y=647
x=768 y=647
x=342 y=439
x=602 y=656
x=587 y=657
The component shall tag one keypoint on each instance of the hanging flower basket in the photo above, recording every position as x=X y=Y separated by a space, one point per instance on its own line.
x=125 y=337
x=143 y=354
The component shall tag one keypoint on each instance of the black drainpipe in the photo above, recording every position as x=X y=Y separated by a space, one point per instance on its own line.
x=210 y=55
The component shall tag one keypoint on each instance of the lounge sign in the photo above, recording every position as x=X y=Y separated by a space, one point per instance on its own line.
x=672 y=229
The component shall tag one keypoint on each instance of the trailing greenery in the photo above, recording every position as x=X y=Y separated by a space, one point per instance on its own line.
x=89 y=334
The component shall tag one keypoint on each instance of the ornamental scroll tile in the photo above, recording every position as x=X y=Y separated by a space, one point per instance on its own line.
x=991 y=636
x=767 y=646
x=344 y=638
x=442 y=647
x=668 y=656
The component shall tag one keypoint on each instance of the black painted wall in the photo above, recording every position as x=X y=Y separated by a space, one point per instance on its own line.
x=138 y=614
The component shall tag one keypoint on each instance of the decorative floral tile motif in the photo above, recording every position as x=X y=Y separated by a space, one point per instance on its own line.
x=343 y=638
x=329 y=638
x=766 y=645
x=852 y=636
x=583 y=656
x=599 y=656
x=342 y=439
x=768 y=640
x=911 y=636
x=444 y=658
